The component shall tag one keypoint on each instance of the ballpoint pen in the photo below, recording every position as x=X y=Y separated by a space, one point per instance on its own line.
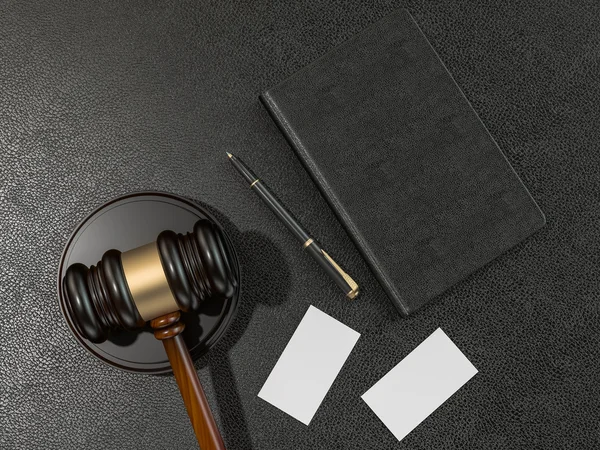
x=309 y=244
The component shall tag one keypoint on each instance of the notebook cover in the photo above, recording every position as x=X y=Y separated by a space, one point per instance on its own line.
x=404 y=161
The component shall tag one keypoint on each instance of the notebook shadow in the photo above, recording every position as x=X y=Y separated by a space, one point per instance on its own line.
x=265 y=281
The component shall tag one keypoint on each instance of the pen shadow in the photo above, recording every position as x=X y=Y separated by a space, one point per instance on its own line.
x=265 y=280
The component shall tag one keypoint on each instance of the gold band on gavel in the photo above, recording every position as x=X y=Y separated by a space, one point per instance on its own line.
x=147 y=282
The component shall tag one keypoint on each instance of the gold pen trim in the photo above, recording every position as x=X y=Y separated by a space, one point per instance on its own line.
x=353 y=285
x=254 y=182
x=307 y=243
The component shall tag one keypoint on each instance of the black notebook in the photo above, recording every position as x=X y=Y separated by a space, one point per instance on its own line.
x=404 y=161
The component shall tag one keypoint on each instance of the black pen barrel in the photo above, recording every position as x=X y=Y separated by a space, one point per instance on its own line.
x=243 y=169
x=320 y=256
x=341 y=278
x=272 y=202
x=280 y=211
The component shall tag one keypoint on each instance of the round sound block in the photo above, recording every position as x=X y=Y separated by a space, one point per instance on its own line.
x=129 y=222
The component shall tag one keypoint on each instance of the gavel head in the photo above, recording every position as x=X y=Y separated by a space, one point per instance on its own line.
x=126 y=290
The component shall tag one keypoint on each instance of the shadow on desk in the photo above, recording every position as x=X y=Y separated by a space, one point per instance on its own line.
x=266 y=281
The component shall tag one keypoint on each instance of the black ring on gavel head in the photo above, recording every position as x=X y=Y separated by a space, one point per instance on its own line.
x=197 y=266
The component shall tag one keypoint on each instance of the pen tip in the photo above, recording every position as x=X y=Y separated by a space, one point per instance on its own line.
x=229 y=154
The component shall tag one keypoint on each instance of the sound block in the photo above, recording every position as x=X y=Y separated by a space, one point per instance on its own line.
x=129 y=222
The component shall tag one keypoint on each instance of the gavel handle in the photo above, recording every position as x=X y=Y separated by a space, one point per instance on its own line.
x=168 y=329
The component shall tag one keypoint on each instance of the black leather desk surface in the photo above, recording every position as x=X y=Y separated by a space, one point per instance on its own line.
x=98 y=99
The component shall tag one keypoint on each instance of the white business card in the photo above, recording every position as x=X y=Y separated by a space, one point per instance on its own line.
x=419 y=384
x=308 y=365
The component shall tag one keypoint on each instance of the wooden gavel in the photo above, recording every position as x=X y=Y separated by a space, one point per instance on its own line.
x=152 y=284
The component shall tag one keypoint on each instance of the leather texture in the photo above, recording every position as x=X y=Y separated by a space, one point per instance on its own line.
x=407 y=166
x=99 y=99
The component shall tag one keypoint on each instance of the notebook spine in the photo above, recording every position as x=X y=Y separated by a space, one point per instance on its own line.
x=278 y=117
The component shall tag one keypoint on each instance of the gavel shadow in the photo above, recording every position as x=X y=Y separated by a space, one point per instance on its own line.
x=265 y=281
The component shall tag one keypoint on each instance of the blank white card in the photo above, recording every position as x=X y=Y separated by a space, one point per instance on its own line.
x=419 y=384
x=309 y=364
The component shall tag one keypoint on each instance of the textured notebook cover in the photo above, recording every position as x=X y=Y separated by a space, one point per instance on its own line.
x=404 y=161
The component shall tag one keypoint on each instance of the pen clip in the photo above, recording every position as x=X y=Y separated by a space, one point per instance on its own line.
x=353 y=285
